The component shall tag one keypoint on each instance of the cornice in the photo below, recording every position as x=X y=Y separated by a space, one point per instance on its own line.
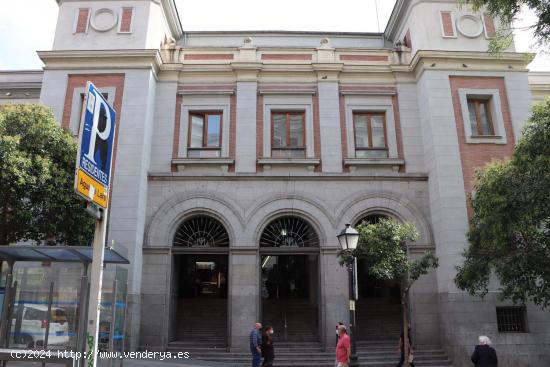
x=101 y=59
x=172 y=17
x=179 y=176
x=21 y=85
x=466 y=61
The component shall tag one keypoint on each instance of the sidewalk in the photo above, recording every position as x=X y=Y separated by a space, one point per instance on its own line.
x=171 y=363
x=133 y=363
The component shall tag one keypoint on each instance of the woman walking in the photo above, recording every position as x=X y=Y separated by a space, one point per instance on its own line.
x=268 y=351
x=484 y=355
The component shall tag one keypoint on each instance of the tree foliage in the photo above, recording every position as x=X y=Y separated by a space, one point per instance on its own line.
x=37 y=160
x=382 y=246
x=508 y=10
x=510 y=229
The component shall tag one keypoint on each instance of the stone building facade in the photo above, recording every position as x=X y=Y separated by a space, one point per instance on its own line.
x=239 y=151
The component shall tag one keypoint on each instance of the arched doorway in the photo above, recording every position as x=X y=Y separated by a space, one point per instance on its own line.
x=289 y=286
x=378 y=308
x=200 y=283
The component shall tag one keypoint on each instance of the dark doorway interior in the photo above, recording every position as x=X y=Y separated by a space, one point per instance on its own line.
x=378 y=309
x=200 y=287
x=289 y=291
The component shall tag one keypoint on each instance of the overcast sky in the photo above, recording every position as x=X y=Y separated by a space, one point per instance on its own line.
x=29 y=25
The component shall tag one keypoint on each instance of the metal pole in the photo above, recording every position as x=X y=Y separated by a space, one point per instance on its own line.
x=13 y=294
x=48 y=317
x=48 y=320
x=353 y=357
x=125 y=298
x=113 y=319
x=95 y=289
x=82 y=302
x=5 y=308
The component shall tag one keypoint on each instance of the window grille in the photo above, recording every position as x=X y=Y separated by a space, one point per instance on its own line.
x=511 y=319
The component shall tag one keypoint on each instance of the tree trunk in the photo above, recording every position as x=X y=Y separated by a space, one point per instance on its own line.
x=405 y=328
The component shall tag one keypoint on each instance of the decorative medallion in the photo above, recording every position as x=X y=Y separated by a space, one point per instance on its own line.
x=469 y=25
x=104 y=19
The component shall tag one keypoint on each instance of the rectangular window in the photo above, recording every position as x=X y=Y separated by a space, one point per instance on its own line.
x=481 y=120
x=288 y=134
x=205 y=134
x=511 y=319
x=370 y=135
x=82 y=108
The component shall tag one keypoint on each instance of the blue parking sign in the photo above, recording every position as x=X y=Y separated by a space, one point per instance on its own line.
x=97 y=136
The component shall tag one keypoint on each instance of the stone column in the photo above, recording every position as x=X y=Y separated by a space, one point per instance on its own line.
x=244 y=295
x=329 y=116
x=245 y=135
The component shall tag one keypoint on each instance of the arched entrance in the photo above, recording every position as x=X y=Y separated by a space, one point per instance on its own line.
x=200 y=283
x=378 y=309
x=289 y=286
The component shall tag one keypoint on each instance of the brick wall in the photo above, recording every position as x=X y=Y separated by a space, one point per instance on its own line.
x=477 y=155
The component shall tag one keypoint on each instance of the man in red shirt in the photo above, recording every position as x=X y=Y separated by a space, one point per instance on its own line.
x=343 y=348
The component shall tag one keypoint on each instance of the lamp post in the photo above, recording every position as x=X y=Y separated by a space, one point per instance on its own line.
x=348 y=239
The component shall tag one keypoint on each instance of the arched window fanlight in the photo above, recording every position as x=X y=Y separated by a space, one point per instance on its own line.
x=371 y=219
x=201 y=231
x=289 y=231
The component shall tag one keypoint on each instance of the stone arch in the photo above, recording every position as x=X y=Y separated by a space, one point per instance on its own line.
x=166 y=220
x=309 y=209
x=386 y=203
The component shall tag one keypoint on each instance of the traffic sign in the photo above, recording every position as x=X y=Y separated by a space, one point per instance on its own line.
x=95 y=148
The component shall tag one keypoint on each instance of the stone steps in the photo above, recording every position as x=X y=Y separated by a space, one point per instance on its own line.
x=374 y=354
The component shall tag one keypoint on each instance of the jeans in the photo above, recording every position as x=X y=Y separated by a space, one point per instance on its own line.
x=256 y=358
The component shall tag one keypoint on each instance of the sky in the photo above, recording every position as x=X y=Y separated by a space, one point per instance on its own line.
x=29 y=25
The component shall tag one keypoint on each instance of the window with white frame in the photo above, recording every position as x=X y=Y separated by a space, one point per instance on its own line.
x=482 y=116
x=370 y=134
x=205 y=134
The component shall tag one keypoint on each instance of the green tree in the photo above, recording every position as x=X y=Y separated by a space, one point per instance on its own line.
x=37 y=162
x=510 y=230
x=382 y=245
x=507 y=11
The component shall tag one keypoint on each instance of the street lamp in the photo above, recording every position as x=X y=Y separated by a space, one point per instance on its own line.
x=348 y=239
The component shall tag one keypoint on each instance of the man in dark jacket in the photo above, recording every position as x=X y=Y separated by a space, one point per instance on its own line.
x=484 y=355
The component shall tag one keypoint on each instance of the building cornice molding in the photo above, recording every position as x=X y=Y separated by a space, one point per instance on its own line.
x=101 y=59
x=466 y=61
x=312 y=176
x=172 y=17
x=21 y=85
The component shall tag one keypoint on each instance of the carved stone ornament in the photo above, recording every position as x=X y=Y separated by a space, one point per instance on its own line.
x=104 y=19
x=469 y=25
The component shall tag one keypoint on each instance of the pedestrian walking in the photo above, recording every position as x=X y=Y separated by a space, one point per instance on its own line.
x=484 y=355
x=343 y=348
x=337 y=335
x=401 y=349
x=268 y=351
x=255 y=344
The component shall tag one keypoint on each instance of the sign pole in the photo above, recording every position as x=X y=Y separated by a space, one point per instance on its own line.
x=96 y=280
x=92 y=181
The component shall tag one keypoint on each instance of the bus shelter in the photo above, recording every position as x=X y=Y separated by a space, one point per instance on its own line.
x=44 y=299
